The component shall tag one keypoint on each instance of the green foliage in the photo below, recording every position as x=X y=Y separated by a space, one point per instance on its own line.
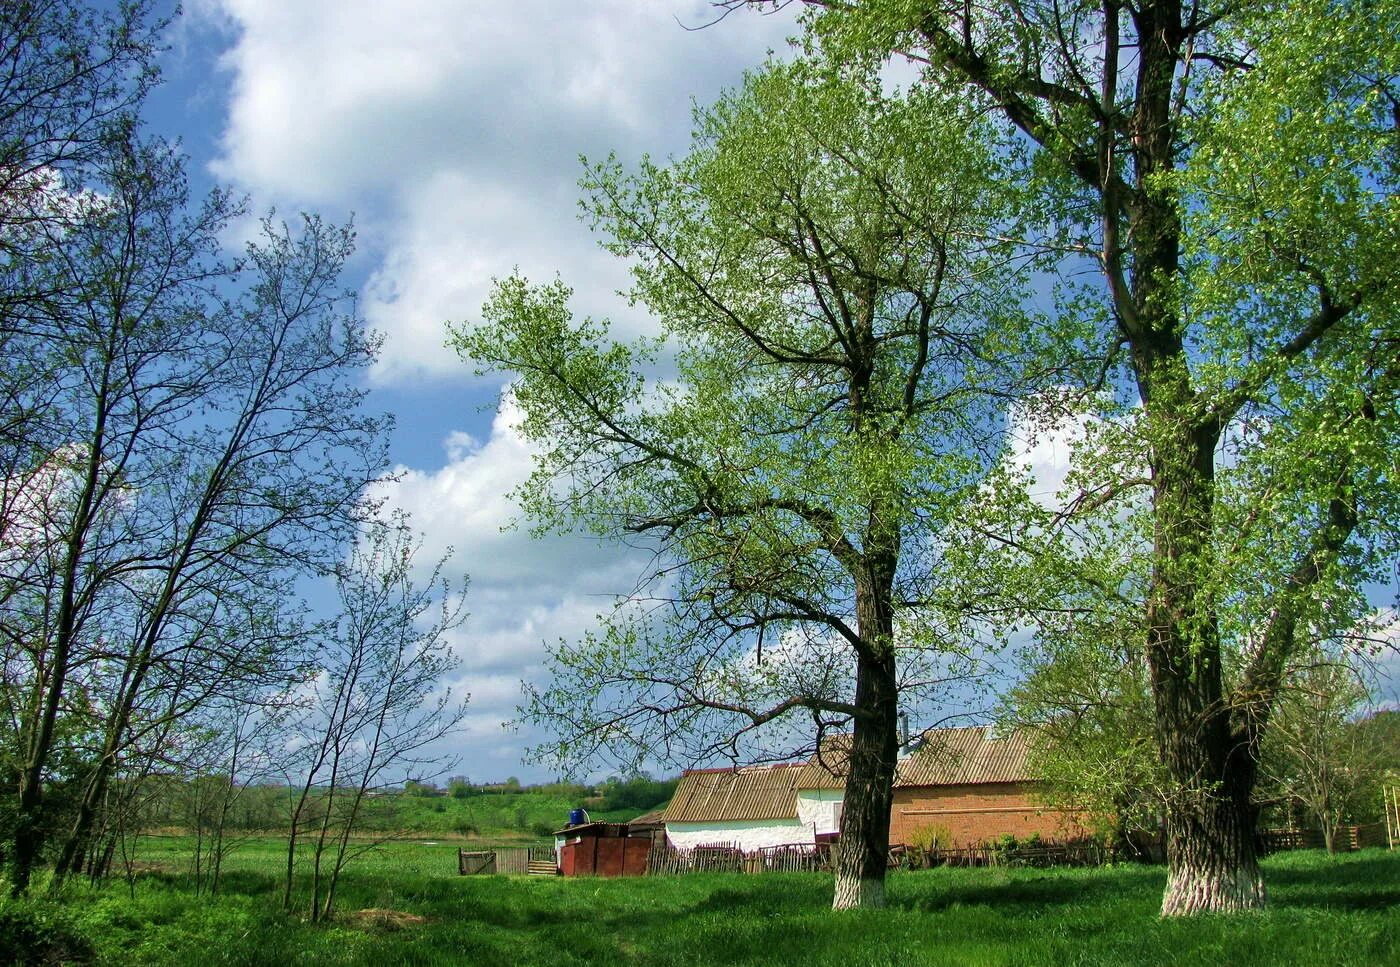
x=1011 y=851
x=38 y=932
x=1379 y=736
x=641 y=793
x=1318 y=752
x=1232 y=172
x=1083 y=697
x=827 y=270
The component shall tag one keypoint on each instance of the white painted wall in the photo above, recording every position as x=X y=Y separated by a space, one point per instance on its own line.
x=820 y=809
x=748 y=835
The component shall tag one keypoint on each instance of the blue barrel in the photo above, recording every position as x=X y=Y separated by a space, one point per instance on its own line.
x=576 y=817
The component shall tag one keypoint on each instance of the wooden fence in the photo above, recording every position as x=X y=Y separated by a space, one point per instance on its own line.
x=506 y=859
x=798 y=858
x=1345 y=840
x=1087 y=853
x=730 y=858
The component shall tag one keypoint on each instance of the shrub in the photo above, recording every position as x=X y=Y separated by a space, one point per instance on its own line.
x=928 y=838
x=38 y=934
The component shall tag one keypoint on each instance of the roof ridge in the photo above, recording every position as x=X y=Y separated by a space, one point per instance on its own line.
x=739 y=770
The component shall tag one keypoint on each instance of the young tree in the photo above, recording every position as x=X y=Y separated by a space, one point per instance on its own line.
x=379 y=704
x=207 y=451
x=1087 y=706
x=1314 y=752
x=825 y=266
x=184 y=436
x=1231 y=171
x=70 y=76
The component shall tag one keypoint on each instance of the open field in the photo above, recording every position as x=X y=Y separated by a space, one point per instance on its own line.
x=1343 y=911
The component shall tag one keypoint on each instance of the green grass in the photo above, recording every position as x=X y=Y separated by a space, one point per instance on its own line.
x=1323 y=911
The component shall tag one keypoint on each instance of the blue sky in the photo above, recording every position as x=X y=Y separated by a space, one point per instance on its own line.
x=451 y=131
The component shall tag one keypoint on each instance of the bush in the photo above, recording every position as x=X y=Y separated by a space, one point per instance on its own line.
x=1013 y=852
x=926 y=839
x=38 y=934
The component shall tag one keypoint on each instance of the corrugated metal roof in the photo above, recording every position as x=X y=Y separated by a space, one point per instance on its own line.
x=944 y=757
x=649 y=818
x=965 y=756
x=959 y=756
x=720 y=795
x=827 y=769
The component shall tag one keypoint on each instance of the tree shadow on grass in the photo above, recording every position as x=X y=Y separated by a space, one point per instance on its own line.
x=1050 y=889
x=1366 y=881
x=758 y=897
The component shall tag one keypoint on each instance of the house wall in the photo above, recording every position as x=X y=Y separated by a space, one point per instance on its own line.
x=976 y=814
x=746 y=834
x=820 y=809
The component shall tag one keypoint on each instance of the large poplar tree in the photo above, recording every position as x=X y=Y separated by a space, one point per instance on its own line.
x=824 y=267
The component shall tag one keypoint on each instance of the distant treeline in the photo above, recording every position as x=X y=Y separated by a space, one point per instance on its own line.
x=459 y=806
x=613 y=794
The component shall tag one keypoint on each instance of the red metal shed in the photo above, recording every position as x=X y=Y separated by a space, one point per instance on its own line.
x=603 y=849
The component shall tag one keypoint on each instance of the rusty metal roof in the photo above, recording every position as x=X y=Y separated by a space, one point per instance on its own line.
x=965 y=756
x=719 y=795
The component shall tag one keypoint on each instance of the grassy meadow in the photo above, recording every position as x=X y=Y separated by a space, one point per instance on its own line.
x=405 y=905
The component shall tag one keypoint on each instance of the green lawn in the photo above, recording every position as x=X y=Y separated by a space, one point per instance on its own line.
x=1324 y=911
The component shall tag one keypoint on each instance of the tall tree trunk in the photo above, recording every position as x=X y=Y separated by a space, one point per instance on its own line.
x=1211 y=861
x=862 y=854
x=70 y=856
x=27 y=840
x=38 y=743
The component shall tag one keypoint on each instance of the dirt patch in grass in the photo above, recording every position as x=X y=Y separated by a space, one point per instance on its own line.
x=385 y=921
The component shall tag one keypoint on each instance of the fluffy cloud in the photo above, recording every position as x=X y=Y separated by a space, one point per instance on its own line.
x=454 y=130
x=524 y=591
x=1383 y=636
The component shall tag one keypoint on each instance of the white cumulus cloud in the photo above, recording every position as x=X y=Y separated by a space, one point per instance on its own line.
x=453 y=129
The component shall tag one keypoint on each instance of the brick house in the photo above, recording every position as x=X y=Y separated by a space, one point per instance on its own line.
x=969 y=782
x=976 y=785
